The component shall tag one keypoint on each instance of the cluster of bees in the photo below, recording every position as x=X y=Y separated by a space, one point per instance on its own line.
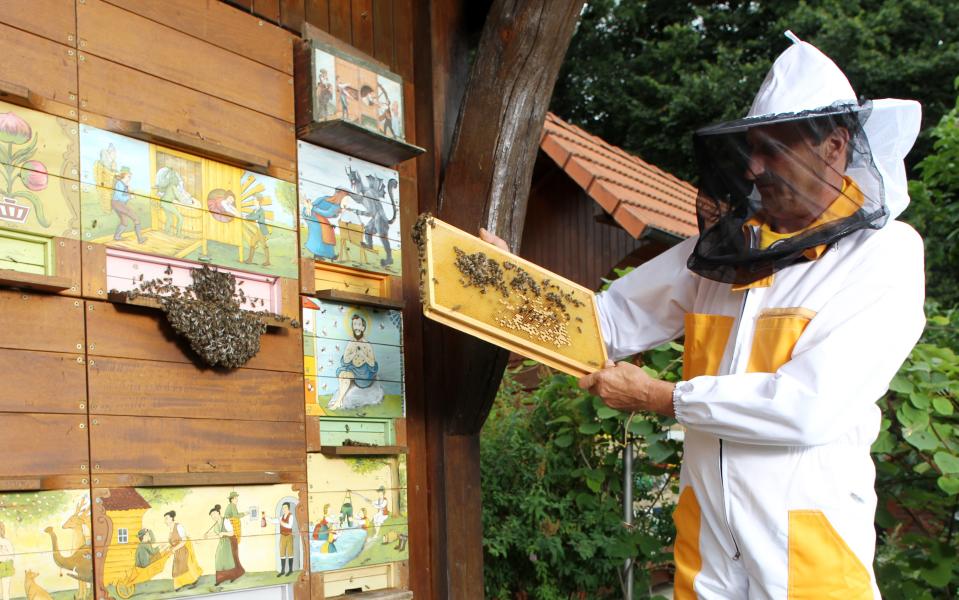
x=536 y=308
x=208 y=314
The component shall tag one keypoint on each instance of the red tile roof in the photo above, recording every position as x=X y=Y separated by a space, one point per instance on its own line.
x=124 y=499
x=636 y=194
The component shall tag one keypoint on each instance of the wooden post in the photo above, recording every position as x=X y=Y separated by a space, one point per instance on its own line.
x=479 y=175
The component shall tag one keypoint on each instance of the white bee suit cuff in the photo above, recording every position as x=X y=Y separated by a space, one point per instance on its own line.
x=647 y=307
x=840 y=366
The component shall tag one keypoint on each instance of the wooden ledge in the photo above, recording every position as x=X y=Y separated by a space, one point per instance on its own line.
x=387 y=594
x=42 y=283
x=350 y=138
x=153 y=303
x=362 y=450
x=190 y=142
x=19 y=94
x=197 y=479
x=49 y=482
x=364 y=299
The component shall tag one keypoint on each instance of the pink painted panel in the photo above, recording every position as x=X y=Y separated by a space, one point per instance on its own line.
x=125 y=269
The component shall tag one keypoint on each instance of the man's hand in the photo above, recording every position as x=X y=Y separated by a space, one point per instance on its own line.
x=628 y=388
x=492 y=238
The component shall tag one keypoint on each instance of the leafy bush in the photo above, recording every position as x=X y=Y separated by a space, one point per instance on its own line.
x=552 y=469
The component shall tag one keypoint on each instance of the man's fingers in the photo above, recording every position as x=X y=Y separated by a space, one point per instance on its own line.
x=609 y=364
x=586 y=381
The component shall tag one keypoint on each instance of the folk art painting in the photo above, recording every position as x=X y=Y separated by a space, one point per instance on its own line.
x=39 y=192
x=349 y=211
x=180 y=542
x=45 y=545
x=353 y=360
x=358 y=511
x=356 y=91
x=147 y=198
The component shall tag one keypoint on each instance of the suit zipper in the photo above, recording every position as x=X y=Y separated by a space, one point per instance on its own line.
x=722 y=464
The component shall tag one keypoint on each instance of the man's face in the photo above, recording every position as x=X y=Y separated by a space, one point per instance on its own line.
x=359 y=328
x=795 y=177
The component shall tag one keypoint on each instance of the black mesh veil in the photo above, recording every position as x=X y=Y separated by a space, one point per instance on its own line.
x=774 y=189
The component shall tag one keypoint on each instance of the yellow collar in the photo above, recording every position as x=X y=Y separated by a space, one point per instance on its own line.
x=849 y=201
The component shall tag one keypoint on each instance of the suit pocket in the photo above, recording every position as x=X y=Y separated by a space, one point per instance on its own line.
x=706 y=337
x=821 y=564
x=776 y=334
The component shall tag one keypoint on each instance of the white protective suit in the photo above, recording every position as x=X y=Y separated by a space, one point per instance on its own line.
x=779 y=404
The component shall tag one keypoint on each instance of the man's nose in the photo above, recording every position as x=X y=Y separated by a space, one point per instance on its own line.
x=755 y=167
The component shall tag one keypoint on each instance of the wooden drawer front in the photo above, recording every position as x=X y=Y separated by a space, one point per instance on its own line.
x=170 y=175
x=319 y=276
x=52 y=19
x=122 y=512
x=172 y=445
x=44 y=382
x=39 y=142
x=187 y=233
x=112 y=91
x=40 y=322
x=363 y=579
x=25 y=252
x=143 y=387
x=44 y=68
x=132 y=332
x=223 y=26
x=334 y=431
x=124 y=37
x=63 y=450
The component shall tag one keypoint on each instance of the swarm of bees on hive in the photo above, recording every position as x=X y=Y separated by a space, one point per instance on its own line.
x=537 y=308
x=208 y=314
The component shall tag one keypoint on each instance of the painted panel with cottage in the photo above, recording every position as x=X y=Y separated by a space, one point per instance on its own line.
x=147 y=198
x=45 y=549
x=358 y=511
x=189 y=541
x=348 y=88
x=349 y=211
x=353 y=359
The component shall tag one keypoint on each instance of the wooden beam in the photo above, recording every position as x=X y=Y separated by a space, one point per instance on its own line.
x=478 y=173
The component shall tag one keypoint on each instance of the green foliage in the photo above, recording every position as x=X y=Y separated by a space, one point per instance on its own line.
x=644 y=75
x=552 y=474
x=934 y=209
x=917 y=463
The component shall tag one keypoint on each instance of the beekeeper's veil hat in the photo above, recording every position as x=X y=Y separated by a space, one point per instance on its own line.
x=768 y=168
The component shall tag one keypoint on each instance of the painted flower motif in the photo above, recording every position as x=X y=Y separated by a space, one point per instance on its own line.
x=34 y=175
x=13 y=129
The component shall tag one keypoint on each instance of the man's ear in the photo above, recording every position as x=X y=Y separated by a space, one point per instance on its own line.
x=835 y=145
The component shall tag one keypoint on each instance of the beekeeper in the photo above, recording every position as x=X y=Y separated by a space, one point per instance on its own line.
x=799 y=301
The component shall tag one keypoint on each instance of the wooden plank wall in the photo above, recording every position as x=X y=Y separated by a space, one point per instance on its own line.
x=114 y=394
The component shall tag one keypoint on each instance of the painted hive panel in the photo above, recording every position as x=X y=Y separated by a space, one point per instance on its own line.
x=45 y=545
x=357 y=91
x=352 y=360
x=39 y=193
x=358 y=511
x=477 y=288
x=149 y=199
x=177 y=542
x=349 y=211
